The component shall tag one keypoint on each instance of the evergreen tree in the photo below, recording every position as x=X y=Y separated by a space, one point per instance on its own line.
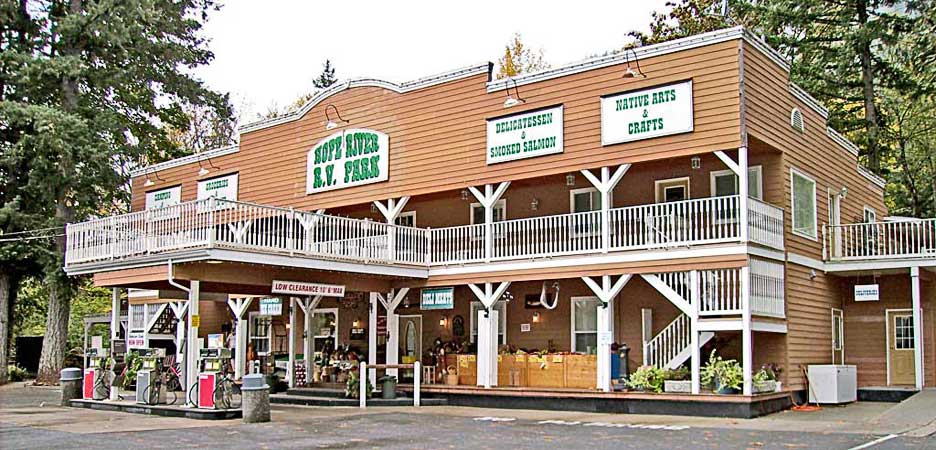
x=327 y=77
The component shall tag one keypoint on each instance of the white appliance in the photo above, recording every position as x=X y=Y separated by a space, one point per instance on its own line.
x=833 y=383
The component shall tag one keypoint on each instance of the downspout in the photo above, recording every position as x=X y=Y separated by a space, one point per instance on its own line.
x=173 y=282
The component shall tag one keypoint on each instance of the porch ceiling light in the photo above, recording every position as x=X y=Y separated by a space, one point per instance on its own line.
x=629 y=72
x=570 y=180
x=511 y=101
x=534 y=205
x=329 y=123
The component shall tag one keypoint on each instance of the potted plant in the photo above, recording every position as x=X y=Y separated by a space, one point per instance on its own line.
x=353 y=387
x=387 y=387
x=647 y=379
x=724 y=375
x=677 y=380
x=766 y=379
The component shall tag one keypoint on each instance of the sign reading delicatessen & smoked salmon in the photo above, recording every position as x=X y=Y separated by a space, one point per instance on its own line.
x=303 y=288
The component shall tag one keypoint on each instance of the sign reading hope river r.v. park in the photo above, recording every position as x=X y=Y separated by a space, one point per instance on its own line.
x=647 y=113
x=348 y=158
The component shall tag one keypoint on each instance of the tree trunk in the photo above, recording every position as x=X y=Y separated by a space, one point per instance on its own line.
x=867 y=79
x=6 y=290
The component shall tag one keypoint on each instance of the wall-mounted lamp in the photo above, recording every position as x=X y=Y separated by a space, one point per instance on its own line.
x=534 y=204
x=695 y=162
x=202 y=171
x=373 y=207
x=812 y=274
x=330 y=124
x=150 y=182
x=507 y=297
x=536 y=317
x=843 y=192
x=570 y=180
x=629 y=72
x=510 y=100
x=464 y=194
x=443 y=321
x=356 y=323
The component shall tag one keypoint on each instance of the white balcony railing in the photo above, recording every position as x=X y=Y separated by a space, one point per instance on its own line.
x=880 y=240
x=215 y=223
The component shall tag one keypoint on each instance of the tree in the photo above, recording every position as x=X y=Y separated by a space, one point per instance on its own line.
x=327 y=78
x=205 y=129
x=518 y=58
x=90 y=88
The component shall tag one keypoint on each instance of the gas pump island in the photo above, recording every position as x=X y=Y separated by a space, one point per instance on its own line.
x=149 y=385
x=95 y=385
x=212 y=364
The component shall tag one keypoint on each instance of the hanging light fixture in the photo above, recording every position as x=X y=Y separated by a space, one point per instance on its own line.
x=570 y=180
x=464 y=194
x=329 y=123
x=510 y=100
x=629 y=72
x=534 y=205
x=695 y=162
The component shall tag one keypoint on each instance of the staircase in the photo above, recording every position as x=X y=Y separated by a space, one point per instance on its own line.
x=671 y=347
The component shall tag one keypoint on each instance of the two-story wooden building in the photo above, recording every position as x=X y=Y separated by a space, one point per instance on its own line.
x=676 y=198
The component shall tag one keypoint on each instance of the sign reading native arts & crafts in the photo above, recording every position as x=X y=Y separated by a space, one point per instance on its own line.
x=303 y=288
x=224 y=188
x=348 y=158
x=525 y=135
x=647 y=113
x=437 y=298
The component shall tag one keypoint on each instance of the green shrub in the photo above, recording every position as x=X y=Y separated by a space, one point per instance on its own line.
x=722 y=373
x=16 y=373
x=647 y=378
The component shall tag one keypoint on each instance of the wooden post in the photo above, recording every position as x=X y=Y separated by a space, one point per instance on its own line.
x=417 y=378
x=605 y=186
x=239 y=308
x=695 y=358
x=391 y=211
x=606 y=293
x=747 y=336
x=488 y=322
x=488 y=200
x=362 y=386
x=372 y=333
x=743 y=193
x=291 y=369
x=115 y=317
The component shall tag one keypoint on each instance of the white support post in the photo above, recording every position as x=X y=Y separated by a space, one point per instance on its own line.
x=747 y=336
x=605 y=186
x=606 y=293
x=372 y=333
x=417 y=378
x=308 y=305
x=191 y=359
x=391 y=211
x=239 y=308
x=362 y=386
x=488 y=322
x=917 y=326
x=115 y=317
x=488 y=200
x=291 y=369
x=743 y=191
x=695 y=357
x=393 y=324
x=178 y=310
x=646 y=332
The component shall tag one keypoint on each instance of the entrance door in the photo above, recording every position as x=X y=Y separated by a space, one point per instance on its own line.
x=900 y=362
x=411 y=342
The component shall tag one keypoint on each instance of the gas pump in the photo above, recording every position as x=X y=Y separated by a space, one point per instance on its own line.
x=94 y=387
x=211 y=363
x=148 y=386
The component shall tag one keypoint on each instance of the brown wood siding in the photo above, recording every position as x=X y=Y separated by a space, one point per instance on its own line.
x=809 y=304
x=440 y=130
x=768 y=103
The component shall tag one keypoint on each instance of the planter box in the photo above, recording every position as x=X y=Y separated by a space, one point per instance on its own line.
x=511 y=370
x=767 y=386
x=546 y=371
x=467 y=370
x=581 y=371
x=680 y=386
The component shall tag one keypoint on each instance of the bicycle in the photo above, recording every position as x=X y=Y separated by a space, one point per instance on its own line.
x=227 y=393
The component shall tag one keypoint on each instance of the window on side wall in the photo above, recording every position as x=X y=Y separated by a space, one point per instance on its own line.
x=406 y=219
x=870 y=216
x=501 y=308
x=725 y=182
x=500 y=212
x=584 y=200
x=584 y=324
x=804 y=204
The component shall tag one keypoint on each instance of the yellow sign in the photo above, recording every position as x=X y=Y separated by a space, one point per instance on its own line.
x=557 y=358
x=196 y=320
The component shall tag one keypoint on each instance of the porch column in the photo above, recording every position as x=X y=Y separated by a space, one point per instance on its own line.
x=488 y=200
x=178 y=310
x=115 y=317
x=308 y=305
x=740 y=169
x=695 y=358
x=372 y=335
x=606 y=293
x=747 y=336
x=239 y=308
x=291 y=368
x=917 y=326
x=488 y=322
x=191 y=358
x=393 y=324
x=605 y=186
x=391 y=210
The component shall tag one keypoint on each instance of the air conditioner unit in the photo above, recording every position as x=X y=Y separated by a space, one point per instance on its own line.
x=832 y=383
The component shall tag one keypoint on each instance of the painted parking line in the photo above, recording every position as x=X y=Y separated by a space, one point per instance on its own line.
x=495 y=419
x=615 y=425
x=874 y=442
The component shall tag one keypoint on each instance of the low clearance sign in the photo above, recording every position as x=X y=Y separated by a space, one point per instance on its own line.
x=348 y=158
x=303 y=288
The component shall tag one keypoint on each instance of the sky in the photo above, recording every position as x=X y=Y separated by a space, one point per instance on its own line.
x=268 y=51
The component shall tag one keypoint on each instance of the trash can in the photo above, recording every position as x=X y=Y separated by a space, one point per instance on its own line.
x=71 y=382
x=388 y=387
x=255 y=399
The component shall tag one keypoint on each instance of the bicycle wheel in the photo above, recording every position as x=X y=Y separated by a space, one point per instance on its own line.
x=189 y=396
x=171 y=396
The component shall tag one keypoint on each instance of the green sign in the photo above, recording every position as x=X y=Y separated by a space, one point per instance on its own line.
x=348 y=158
x=437 y=298
x=647 y=113
x=524 y=135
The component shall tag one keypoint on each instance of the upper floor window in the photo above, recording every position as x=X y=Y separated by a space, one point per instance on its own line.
x=672 y=190
x=804 y=204
x=584 y=200
x=725 y=182
x=500 y=212
x=870 y=216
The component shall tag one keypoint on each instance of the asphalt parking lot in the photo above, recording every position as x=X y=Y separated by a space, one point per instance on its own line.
x=30 y=419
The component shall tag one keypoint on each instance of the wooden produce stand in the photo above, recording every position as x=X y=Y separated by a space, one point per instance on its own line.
x=526 y=370
x=512 y=370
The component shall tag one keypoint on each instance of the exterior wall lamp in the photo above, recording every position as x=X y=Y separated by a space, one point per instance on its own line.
x=510 y=100
x=695 y=162
x=534 y=205
x=330 y=124
x=629 y=72
x=443 y=321
x=464 y=194
x=570 y=180
x=202 y=171
x=536 y=317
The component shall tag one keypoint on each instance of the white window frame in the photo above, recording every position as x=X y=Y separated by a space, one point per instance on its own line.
x=657 y=192
x=501 y=307
x=574 y=192
x=838 y=314
x=869 y=211
x=572 y=331
x=251 y=328
x=757 y=171
x=794 y=173
x=502 y=204
x=405 y=214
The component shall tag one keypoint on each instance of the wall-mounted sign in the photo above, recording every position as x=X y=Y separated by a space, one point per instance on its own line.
x=647 y=113
x=524 y=328
x=358 y=334
x=224 y=187
x=303 y=288
x=524 y=135
x=136 y=339
x=867 y=293
x=162 y=199
x=348 y=158
x=271 y=306
x=437 y=298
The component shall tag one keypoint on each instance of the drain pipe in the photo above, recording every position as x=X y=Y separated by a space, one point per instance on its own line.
x=173 y=282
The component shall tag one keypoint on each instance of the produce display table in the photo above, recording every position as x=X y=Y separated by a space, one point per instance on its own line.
x=526 y=370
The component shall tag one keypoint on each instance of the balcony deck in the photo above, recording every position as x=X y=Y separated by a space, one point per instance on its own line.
x=906 y=240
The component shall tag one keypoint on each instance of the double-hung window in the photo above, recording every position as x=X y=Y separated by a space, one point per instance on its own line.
x=501 y=308
x=500 y=212
x=725 y=182
x=804 y=204
x=584 y=324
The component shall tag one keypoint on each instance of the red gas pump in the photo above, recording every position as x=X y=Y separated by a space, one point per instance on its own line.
x=212 y=362
x=94 y=387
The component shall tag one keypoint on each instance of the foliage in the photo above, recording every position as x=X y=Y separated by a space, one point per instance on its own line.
x=518 y=58
x=647 y=378
x=205 y=129
x=133 y=365
x=16 y=373
x=771 y=371
x=678 y=374
x=722 y=373
x=762 y=376
x=327 y=77
x=324 y=80
x=353 y=386
x=31 y=311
